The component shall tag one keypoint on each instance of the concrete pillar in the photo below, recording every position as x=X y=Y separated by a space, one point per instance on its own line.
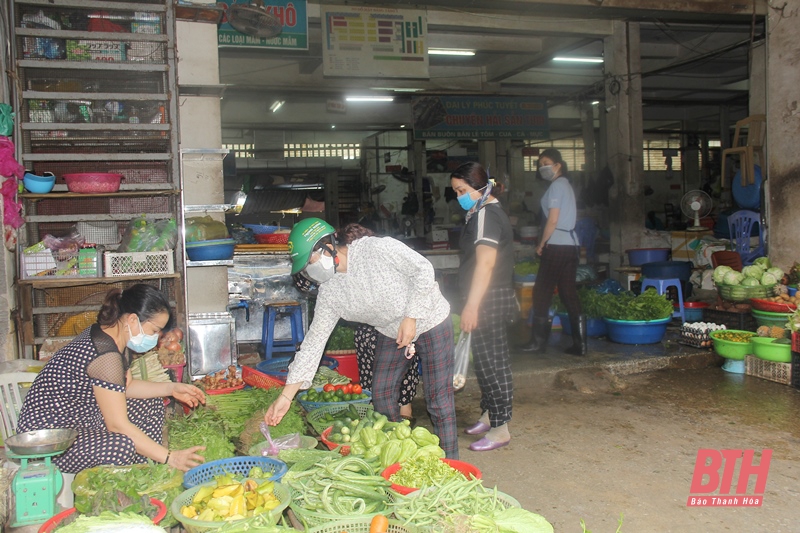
x=783 y=130
x=758 y=79
x=624 y=139
x=587 y=130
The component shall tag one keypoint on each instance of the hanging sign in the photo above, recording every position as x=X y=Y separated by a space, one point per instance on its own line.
x=292 y=15
x=374 y=42
x=480 y=117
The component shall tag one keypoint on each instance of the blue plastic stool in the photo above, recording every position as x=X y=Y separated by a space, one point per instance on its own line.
x=661 y=286
x=273 y=310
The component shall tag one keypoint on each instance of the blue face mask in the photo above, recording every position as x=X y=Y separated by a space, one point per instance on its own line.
x=466 y=201
x=141 y=342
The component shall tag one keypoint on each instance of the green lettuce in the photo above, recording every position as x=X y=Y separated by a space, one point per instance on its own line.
x=514 y=520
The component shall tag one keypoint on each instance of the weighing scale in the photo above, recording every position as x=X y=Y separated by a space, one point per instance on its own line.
x=36 y=486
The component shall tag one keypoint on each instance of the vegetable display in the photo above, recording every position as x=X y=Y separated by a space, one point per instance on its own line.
x=111 y=522
x=325 y=376
x=591 y=302
x=237 y=407
x=761 y=272
x=224 y=379
x=424 y=471
x=228 y=499
x=201 y=428
x=334 y=393
x=526 y=268
x=626 y=306
x=342 y=338
x=343 y=486
x=461 y=505
x=735 y=336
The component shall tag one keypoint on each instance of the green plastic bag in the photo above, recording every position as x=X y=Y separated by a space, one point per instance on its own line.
x=6 y=120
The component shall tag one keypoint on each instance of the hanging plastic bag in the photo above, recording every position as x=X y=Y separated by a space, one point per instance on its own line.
x=287 y=442
x=461 y=361
x=6 y=120
x=142 y=235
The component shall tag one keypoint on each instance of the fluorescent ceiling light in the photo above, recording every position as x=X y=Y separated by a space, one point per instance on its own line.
x=398 y=89
x=450 y=52
x=596 y=102
x=370 y=98
x=276 y=105
x=333 y=126
x=579 y=59
x=402 y=125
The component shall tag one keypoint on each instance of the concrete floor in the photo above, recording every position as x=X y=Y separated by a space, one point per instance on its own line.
x=617 y=433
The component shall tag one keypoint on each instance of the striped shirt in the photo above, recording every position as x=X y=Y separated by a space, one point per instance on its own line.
x=386 y=281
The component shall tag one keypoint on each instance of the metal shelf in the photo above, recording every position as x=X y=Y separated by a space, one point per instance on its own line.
x=71 y=282
x=107 y=217
x=93 y=65
x=34 y=197
x=98 y=157
x=47 y=95
x=198 y=208
x=91 y=4
x=221 y=262
x=91 y=35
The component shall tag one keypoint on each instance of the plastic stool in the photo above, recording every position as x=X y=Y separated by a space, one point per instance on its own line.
x=271 y=311
x=661 y=286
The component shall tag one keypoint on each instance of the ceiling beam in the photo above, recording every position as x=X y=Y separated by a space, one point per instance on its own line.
x=512 y=65
x=484 y=43
x=515 y=23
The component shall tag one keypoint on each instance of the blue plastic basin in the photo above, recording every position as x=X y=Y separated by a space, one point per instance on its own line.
x=39 y=184
x=637 y=331
x=681 y=270
x=640 y=256
x=213 y=250
x=595 y=327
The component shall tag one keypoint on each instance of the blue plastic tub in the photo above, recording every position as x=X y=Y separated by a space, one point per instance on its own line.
x=277 y=367
x=595 y=327
x=792 y=289
x=692 y=311
x=640 y=256
x=236 y=466
x=213 y=250
x=681 y=270
x=637 y=331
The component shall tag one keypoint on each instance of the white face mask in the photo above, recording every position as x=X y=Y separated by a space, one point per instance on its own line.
x=321 y=270
x=547 y=172
x=141 y=342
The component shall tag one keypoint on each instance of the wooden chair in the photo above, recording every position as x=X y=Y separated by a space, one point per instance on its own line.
x=748 y=141
x=727 y=258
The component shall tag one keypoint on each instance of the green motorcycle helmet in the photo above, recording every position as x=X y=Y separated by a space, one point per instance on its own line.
x=304 y=236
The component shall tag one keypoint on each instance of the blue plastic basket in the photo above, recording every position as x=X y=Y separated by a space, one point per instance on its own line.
x=277 y=367
x=237 y=466
x=310 y=406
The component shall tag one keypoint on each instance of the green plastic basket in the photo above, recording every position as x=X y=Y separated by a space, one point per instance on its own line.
x=282 y=492
x=503 y=499
x=312 y=519
x=314 y=417
x=742 y=293
x=361 y=525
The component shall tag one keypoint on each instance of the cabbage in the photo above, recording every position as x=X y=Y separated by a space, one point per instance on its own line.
x=763 y=262
x=768 y=279
x=733 y=278
x=750 y=282
x=753 y=271
x=719 y=273
x=777 y=272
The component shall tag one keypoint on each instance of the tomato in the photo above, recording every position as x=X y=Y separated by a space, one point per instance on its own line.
x=357 y=389
x=338 y=387
x=347 y=389
x=328 y=388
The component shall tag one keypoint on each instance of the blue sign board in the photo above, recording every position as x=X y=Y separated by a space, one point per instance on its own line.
x=480 y=117
x=292 y=15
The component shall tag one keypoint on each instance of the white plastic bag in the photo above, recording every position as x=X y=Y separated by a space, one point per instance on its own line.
x=461 y=361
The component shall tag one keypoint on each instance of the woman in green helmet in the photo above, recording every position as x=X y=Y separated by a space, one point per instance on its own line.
x=381 y=282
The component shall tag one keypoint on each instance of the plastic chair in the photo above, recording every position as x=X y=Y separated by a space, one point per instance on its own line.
x=661 y=286
x=727 y=258
x=747 y=146
x=11 y=397
x=273 y=310
x=740 y=226
x=586 y=230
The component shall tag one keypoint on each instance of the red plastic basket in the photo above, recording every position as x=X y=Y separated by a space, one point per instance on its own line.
x=772 y=307
x=343 y=449
x=466 y=469
x=272 y=238
x=178 y=370
x=254 y=378
x=53 y=523
x=224 y=391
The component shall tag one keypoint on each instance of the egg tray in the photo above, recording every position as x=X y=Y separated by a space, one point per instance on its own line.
x=695 y=338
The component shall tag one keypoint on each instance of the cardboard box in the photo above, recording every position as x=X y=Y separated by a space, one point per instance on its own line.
x=438 y=236
x=684 y=243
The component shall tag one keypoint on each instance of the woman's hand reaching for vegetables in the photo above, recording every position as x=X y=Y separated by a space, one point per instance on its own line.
x=188 y=394
x=185 y=460
x=277 y=410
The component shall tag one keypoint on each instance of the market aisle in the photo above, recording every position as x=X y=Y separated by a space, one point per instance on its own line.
x=628 y=446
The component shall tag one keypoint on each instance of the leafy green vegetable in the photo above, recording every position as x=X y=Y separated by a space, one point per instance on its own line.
x=201 y=428
x=763 y=262
x=591 y=302
x=423 y=471
x=719 y=273
x=236 y=408
x=646 y=306
x=110 y=522
x=526 y=268
x=514 y=520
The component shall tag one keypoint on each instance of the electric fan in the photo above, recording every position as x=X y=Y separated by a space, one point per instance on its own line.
x=253 y=19
x=695 y=205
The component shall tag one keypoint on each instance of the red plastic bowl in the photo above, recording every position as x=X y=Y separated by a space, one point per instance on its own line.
x=469 y=470
x=344 y=450
x=92 y=182
x=53 y=523
x=772 y=307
